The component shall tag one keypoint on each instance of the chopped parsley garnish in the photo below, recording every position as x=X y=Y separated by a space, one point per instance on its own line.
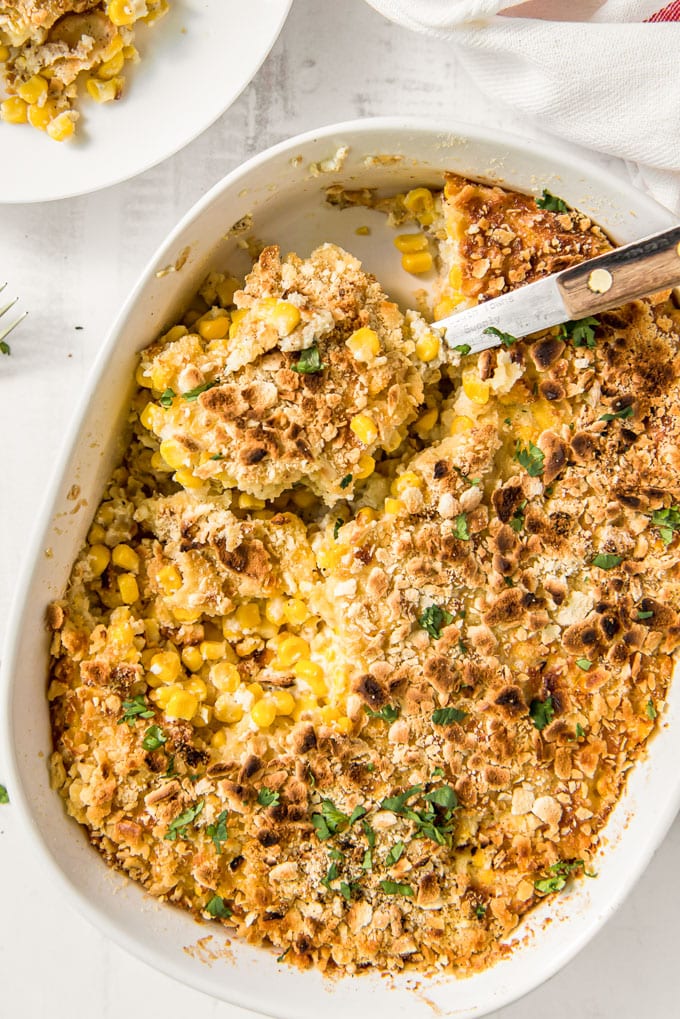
x=584 y=663
x=650 y=709
x=580 y=731
x=581 y=331
x=531 y=458
x=170 y=770
x=507 y=339
x=335 y=854
x=551 y=203
x=309 y=361
x=134 y=709
x=480 y=910
x=4 y=795
x=347 y=480
x=218 y=831
x=268 y=798
x=395 y=854
x=218 y=908
x=390 y=713
x=347 y=889
x=460 y=527
x=645 y=615
x=154 y=738
x=329 y=821
x=370 y=766
x=627 y=412
x=435 y=821
x=283 y=955
x=542 y=712
x=445 y=716
x=193 y=394
x=5 y=347
x=178 y=827
x=607 y=561
x=167 y=397
x=356 y=815
x=336 y=528
x=369 y=833
x=517 y=521
x=559 y=872
x=434 y=619
x=367 y=862
x=396 y=888
x=463 y=349
x=397 y=804
x=217 y=456
x=332 y=874
x=438 y=773
x=668 y=521
x=444 y=796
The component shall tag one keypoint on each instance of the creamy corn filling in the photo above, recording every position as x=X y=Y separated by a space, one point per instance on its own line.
x=364 y=685
x=52 y=53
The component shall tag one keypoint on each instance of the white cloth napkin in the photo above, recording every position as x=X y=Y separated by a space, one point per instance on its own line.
x=601 y=73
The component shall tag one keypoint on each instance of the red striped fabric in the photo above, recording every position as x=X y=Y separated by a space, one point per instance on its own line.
x=671 y=12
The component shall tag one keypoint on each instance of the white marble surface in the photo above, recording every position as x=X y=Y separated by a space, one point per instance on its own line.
x=72 y=263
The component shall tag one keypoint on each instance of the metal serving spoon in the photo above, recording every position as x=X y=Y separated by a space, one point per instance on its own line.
x=596 y=285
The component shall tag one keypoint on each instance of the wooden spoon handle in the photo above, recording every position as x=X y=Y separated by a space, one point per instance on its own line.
x=635 y=270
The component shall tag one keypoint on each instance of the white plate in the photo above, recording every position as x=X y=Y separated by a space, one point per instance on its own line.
x=195 y=62
x=287 y=204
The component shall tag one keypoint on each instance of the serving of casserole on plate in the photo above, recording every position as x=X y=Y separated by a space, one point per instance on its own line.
x=364 y=646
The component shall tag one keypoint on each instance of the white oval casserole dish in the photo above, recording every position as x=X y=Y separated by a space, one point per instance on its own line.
x=283 y=191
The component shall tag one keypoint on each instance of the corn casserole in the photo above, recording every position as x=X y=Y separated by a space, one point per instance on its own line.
x=54 y=50
x=365 y=639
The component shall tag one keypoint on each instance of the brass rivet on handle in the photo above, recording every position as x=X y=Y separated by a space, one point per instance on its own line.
x=600 y=281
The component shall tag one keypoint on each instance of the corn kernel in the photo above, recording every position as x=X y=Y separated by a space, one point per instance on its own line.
x=290 y=650
x=187 y=478
x=172 y=335
x=406 y=480
x=250 y=502
x=365 y=516
x=344 y=725
x=192 y=658
x=104 y=91
x=115 y=46
x=227 y=710
x=110 y=68
x=128 y=587
x=98 y=558
x=263 y=713
x=248 y=616
x=417 y=262
x=303 y=498
x=420 y=203
x=283 y=315
x=295 y=611
x=312 y=674
x=225 y=677
x=158 y=463
x=14 y=110
x=474 y=388
x=274 y=611
x=33 y=90
x=284 y=702
x=196 y=687
x=162 y=695
x=226 y=290
x=4 y=53
x=149 y=416
x=218 y=739
x=364 y=428
x=166 y=666
x=96 y=534
x=184 y=614
x=256 y=690
x=329 y=713
x=329 y=556
x=456 y=277
x=214 y=328
x=152 y=633
x=237 y=317
x=393 y=507
x=169 y=579
x=304 y=705
x=40 y=116
x=182 y=705
x=446 y=307
x=212 y=650
x=175 y=456
x=131 y=53
x=62 y=127
x=460 y=424
x=407 y=243
x=426 y=423
x=365 y=466
x=121 y=12
x=364 y=344
x=125 y=558
x=427 y=347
